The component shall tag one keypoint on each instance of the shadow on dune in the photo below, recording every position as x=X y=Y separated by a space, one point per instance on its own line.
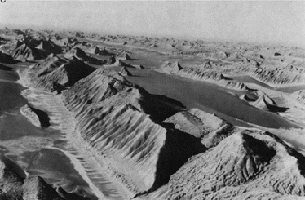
x=178 y=148
x=159 y=107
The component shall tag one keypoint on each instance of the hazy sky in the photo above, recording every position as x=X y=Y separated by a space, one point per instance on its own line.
x=234 y=20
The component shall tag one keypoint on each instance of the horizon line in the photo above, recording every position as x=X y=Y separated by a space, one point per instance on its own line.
x=221 y=40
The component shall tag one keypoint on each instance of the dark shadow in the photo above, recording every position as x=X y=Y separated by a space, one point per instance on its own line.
x=250 y=89
x=226 y=78
x=159 y=107
x=258 y=148
x=250 y=97
x=292 y=152
x=7 y=59
x=95 y=61
x=5 y=68
x=77 y=70
x=178 y=148
x=132 y=59
x=42 y=116
x=45 y=45
x=79 y=194
x=277 y=109
x=14 y=168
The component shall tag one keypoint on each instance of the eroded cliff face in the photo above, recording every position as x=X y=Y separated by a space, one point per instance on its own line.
x=123 y=124
x=110 y=118
x=56 y=74
x=158 y=150
x=204 y=74
x=246 y=165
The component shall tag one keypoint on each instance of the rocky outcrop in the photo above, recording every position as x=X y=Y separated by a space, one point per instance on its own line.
x=24 y=52
x=23 y=48
x=245 y=165
x=11 y=180
x=49 y=46
x=171 y=67
x=280 y=76
x=55 y=74
x=124 y=72
x=124 y=64
x=78 y=54
x=15 y=184
x=111 y=118
x=27 y=112
x=201 y=74
x=124 y=55
x=208 y=127
x=192 y=73
x=264 y=102
x=123 y=124
x=234 y=85
x=37 y=117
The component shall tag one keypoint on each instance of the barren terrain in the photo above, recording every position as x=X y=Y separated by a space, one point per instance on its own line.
x=128 y=117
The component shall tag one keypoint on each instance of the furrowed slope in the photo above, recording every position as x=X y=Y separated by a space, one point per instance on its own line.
x=249 y=164
x=112 y=117
x=120 y=123
x=55 y=74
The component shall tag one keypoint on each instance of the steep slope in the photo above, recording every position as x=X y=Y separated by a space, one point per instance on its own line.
x=122 y=124
x=77 y=53
x=55 y=74
x=246 y=165
x=171 y=67
x=23 y=48
x=111 y=117
x=285 y=75
x=264 y=102
x=49 y=46
x=208 y=127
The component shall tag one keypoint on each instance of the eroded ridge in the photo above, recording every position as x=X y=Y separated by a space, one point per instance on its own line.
x=246 y=165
